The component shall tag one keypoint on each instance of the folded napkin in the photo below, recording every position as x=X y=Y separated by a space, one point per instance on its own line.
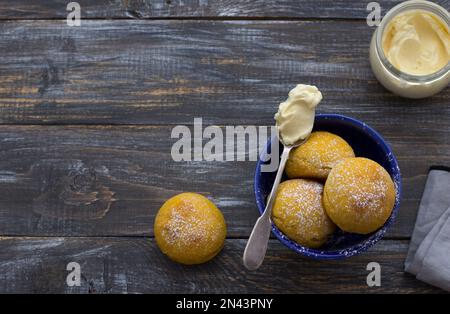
x=429 y=251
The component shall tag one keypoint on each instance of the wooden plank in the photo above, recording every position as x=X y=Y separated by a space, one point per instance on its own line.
x=135 y=265
x=140 y=9
x=111 y=180
x=107 y=181
x=168 y=72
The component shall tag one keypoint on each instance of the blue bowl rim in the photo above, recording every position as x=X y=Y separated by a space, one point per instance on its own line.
x=374 y=237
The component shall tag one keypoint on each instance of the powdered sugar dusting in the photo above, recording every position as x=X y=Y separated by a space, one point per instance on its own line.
x=299 y=208
x=308 y=202
x=365 y=187
x=319 y=154
x=188 y=226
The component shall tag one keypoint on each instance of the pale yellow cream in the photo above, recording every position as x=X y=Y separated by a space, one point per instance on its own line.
x=295 y=116
x=417 y=42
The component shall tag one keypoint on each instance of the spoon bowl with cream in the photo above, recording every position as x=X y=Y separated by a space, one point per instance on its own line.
x=366 y=142
x=294 y=123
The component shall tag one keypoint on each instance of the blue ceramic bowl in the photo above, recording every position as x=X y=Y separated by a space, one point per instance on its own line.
x=366 y=142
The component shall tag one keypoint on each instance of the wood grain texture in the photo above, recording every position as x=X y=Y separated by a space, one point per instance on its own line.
x=111 y=180
x=82 y=186
x=142 y=9
x=107 y=181
x=124 y=265
x=168 y=72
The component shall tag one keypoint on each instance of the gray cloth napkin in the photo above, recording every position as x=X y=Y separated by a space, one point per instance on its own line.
x=429 y=251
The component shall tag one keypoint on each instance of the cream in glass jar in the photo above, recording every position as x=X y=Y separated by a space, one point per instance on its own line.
x=410 y=50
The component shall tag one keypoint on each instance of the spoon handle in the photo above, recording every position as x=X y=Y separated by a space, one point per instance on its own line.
x=256 y=247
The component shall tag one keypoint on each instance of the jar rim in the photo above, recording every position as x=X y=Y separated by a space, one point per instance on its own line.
x=434 y=8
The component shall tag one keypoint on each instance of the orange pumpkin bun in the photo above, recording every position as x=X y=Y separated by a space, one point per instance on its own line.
x=317 y=156
x=359 y=195
x=190 y=229
x=299 y=214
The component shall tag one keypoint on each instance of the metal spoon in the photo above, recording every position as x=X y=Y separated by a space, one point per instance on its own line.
x=256 y=247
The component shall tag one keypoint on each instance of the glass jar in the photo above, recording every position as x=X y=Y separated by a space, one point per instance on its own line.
x=400 y=83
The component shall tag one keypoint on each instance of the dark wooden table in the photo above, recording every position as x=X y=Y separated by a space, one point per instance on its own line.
x=86 y=115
